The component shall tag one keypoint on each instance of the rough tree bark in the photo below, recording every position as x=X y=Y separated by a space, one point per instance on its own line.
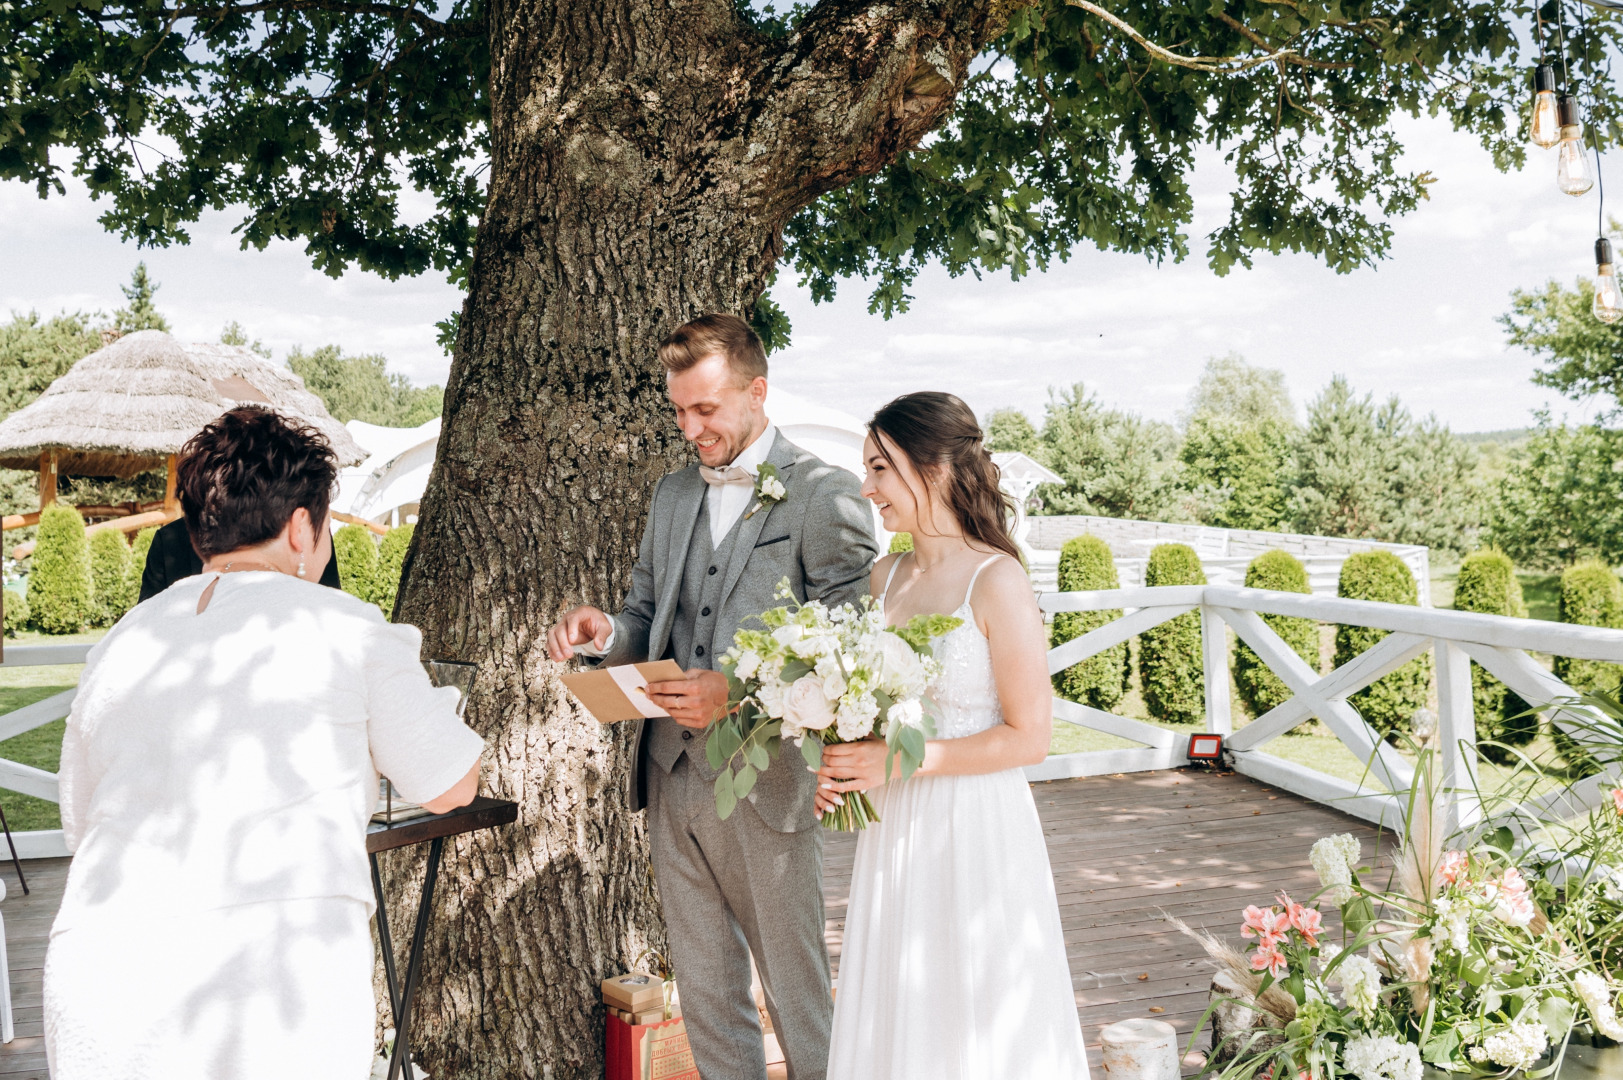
x=645 y=157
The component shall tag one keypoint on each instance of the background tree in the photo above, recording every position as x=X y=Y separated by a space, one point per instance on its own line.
x=35 y=352
x=1011 y=429
x=1085 y=564
x=1487 y=583
x=1232 y=389
x=141 y=313
x=1389 y=703
x=1561 y=499
x=1581 y=356
x=632 y=164
x=61 y=595
x=1238 y=470
x=1115 y=464
x=1170 y=665
x=1260 y=689
x=363 y=388
x=234 y=334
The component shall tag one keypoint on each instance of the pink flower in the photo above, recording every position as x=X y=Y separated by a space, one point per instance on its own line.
x=1514 y=902
x=1268 y=958
x=1453 y=866
x=1306 y=921
x=1617 y=800
x=1265 y=924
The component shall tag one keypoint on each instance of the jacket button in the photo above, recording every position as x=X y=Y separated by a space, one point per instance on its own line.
x=706 y=611
x=712 y=570
x=687 y=735
x=698 y=650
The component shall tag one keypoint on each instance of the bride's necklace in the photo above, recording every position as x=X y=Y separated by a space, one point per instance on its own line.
x=227 y=568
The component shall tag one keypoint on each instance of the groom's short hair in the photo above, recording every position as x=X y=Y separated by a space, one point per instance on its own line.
x=711 y=334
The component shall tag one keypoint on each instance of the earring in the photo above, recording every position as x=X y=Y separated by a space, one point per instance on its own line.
x=301 y=565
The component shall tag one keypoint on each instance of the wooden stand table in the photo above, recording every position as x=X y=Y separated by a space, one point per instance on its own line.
x=482 y=813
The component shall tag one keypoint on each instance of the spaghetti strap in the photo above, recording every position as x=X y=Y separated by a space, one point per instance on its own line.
x=885 y=592
x=969 y=592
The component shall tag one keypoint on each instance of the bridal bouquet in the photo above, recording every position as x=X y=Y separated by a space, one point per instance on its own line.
x=819 y=676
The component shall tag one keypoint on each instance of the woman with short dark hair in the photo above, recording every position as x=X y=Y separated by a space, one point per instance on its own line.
x=220 y=764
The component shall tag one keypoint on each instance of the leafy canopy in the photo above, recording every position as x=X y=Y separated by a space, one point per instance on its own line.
x=1080 y=124
x=1581 y=355
x=363 y=388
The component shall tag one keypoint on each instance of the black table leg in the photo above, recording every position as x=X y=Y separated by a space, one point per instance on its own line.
x=400 y=998
x=15 y=862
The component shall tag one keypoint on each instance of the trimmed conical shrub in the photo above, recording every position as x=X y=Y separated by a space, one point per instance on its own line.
x=1487 y=584
x=138 y=563
x=1590 y=596
x=61 y=598
x=1085 y=564
x=1391 y=702
x=357 y=557
x=16 y=612
x=391 y=561
x=1260 y=689
x=1170 y=668
x=109 y=575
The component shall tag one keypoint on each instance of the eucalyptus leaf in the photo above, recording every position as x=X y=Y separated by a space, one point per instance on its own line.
x=744 y=782
x=726 y=799
x=811 y=748
x=712 y=748
x=757 y=756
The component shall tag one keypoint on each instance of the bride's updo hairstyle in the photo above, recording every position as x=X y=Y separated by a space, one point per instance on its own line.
x=941 y=438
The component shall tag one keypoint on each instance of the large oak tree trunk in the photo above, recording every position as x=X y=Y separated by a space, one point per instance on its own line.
x=645 y=156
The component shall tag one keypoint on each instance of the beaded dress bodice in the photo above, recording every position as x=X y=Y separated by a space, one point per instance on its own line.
x=964 y=694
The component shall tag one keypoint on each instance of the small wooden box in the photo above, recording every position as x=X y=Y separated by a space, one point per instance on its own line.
x=634 y=992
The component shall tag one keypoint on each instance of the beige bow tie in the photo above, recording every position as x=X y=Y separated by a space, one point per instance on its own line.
x=727 y=475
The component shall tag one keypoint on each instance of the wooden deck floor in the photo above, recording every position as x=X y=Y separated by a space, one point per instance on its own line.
x=1197 y=845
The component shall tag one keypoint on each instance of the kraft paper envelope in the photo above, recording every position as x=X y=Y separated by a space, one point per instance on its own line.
x=613 y=694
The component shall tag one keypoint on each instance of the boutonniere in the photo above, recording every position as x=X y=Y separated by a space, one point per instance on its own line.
x=769 y=490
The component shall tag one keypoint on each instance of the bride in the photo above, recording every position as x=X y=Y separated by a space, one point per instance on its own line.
x=954 y=964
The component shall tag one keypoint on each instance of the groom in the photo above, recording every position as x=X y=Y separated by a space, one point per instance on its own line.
x=717 y=544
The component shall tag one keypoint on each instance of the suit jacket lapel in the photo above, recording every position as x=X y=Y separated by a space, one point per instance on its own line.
x=783 y=456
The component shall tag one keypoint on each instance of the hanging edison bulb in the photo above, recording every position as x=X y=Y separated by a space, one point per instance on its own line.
x=1608 y=306
x=1572 y=172
x=1546 y=126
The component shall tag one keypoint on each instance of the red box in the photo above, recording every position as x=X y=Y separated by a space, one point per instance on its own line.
x=648 y=1051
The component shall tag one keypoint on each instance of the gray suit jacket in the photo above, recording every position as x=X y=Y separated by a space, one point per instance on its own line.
x=819 y=536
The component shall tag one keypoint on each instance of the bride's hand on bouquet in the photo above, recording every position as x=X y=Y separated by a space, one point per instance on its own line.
x=853 y=766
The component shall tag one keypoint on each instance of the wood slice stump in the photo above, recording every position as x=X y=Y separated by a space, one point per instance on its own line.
x=1140 y=1049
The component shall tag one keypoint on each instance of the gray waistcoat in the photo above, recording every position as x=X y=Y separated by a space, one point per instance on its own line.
x=693 y=636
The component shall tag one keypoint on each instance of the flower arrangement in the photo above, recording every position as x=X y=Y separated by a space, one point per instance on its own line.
x=1472 y=960
x=819 y=676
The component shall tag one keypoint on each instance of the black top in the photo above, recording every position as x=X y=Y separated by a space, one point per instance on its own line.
x=172 y=557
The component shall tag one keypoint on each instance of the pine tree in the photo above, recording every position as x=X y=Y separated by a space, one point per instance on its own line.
x=141 y=314
x=109 y=575
x=61 y=597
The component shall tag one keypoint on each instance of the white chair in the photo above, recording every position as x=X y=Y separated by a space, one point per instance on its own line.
x=7 y=1029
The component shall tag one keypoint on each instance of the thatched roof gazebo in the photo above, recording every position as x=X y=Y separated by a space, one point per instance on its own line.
x=130 y=407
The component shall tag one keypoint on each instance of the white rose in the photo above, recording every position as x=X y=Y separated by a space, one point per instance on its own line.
x=772 y=488
x=806 y=706
x=833 y=685
x=787 y=634
x=900 y=667
x=909 y=713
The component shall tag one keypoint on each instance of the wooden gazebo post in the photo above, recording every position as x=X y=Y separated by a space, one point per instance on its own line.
x=171 y=505
x=47 y=478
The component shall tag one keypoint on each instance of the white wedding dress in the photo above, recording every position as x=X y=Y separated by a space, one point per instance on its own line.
x=954 y=966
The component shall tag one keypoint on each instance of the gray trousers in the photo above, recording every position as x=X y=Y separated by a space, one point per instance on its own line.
x=729 y=889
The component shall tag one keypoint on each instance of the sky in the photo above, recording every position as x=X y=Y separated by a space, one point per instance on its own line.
x=1421 y=325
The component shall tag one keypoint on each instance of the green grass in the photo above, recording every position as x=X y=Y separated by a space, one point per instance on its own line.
x=42 y=747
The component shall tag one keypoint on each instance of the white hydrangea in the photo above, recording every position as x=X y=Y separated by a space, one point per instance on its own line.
x=1334 y=858
x=1596 y=995
x=1515 y=1047
x=1381 y=1057
x=748 y=663
x=772 y=695
x=907 y=713
x=856 y=716
x=1360 y=982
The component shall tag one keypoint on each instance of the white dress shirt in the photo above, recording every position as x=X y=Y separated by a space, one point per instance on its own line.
x=728 y=502
x=725 y=505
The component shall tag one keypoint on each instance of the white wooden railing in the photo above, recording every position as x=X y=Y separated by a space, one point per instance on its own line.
x=1500 y=645
x=14 y=775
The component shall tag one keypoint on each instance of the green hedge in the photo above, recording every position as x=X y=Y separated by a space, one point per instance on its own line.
x=1260 y=689
x=357 y=555
x=109 y=575
x=1085 y=563
x=138 y=562
x=16 y=612
x=1487 y=584
x=61 y=598
x=1389 y=704
x=391 y=561
x=901 y=542
x=1590 y=596
x=1169 y=659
